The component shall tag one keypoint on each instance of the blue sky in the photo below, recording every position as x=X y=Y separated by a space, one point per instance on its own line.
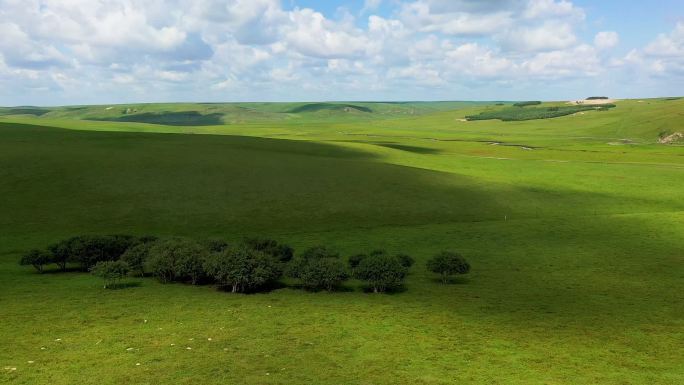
x=58 y=52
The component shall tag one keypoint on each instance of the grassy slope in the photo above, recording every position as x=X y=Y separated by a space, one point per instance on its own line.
x=576 y=248
x=204 y=114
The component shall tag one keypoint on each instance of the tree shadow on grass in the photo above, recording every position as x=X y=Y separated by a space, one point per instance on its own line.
x=264 y=289
x=450 y=281
x=579 y=268
x=337 y=289
x=407 y=148
x=56 y=270
x=391 y=291
x=182 y=118
x=124 y=285
x=277 y=285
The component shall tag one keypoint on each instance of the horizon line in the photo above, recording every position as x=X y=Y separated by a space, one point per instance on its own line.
x=336 y=101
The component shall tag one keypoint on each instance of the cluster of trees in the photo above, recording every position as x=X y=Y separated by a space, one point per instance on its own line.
x=249 y=266
x=83 y=251
x=525 y=104
x=530 y=113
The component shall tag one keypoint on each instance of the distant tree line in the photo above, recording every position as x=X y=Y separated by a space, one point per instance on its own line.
x=528 y=103
x=530 y=113
x=253 y=265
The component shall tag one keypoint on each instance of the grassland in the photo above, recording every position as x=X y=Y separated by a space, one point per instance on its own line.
x=573 y=227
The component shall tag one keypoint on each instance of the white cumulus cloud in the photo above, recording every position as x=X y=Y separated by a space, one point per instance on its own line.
x=81 y=51
x=606 y=39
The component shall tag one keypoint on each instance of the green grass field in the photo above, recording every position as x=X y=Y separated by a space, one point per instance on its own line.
x=573 y=226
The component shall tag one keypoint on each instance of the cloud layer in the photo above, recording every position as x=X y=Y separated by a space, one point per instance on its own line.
x=84 y=51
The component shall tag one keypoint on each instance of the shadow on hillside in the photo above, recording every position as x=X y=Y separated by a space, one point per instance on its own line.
x=407 y=148
x=575 y=268
x=183 y=118
x=535 y=253
x=315 y=107
x=35 y=111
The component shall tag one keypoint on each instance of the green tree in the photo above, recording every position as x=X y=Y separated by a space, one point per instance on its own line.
x=36 y=258
x=282 y=252
x=136 y=257
x=318 y=268
x=110 y=271
x=243 y=268
x=177 y=259
x=381 y=271
x=191 y=263
x=324 y=273
x=59 y=253
x=447 y=264
x=214 y=245
x=87 y=250
x=406 y=260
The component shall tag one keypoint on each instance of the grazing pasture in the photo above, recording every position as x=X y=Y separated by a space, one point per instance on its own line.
x=572 y=228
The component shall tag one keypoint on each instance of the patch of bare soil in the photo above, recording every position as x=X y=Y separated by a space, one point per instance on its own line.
x=621 y=142
x=672 y=138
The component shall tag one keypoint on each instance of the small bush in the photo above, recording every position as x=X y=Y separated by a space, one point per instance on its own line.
x=283 y=253
x=243 y=269
x=110 y=271
x=319 y=268
x=36 y=258
x=597 y=97
x=448 y=263
x=381 y=272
